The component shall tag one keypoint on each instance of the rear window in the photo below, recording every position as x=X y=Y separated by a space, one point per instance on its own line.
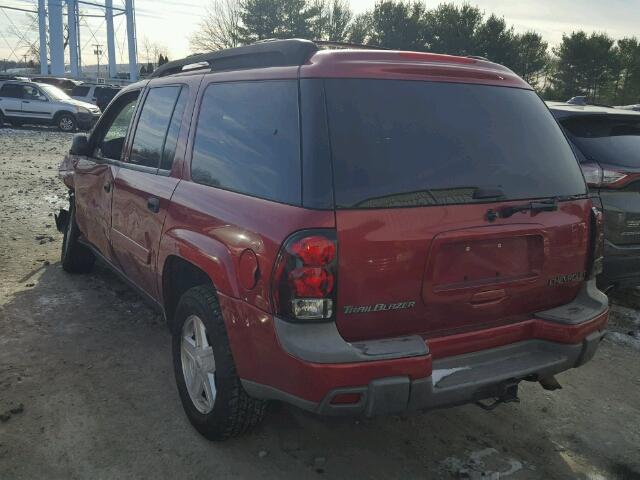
x=409 y=143
x=79 y=91
x=247 y=139
x=607 y=139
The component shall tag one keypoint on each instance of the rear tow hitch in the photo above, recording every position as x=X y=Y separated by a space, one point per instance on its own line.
x=61 y=220
x=510 y=395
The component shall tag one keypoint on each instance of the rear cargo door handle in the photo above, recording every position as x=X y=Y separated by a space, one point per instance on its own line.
x=153 y=204
x=490 y=297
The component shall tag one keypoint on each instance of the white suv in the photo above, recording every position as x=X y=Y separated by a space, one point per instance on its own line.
x=38 y=103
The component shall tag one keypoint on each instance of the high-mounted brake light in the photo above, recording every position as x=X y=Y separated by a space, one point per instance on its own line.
x=597 y=176
x=304 y=279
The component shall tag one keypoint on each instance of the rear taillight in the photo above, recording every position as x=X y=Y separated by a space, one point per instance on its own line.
x=597 y=176
x=597 y=242
x=304 y=278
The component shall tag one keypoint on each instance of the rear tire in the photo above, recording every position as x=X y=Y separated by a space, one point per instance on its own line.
x=216 y=404
x=75 y=257
x=66 y=122
x=2 y=119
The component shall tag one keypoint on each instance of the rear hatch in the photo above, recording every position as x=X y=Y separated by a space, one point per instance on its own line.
x=613 y=143
x=421 y=169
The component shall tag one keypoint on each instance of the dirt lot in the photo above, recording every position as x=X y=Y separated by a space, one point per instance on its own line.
x=87 y=389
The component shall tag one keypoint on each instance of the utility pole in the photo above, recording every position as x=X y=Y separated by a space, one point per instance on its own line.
x=131 y=38
x=72 y=28
x=111 y=45
x=56 y=43
x=97 y=51
x=42 y=28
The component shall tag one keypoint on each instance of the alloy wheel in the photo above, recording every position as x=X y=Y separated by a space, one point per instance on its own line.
x=198 y=364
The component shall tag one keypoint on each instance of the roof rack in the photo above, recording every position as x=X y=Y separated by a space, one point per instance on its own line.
x=266 y=53
x=331 y=43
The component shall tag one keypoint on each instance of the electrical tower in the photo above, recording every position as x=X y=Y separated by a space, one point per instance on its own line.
x=51 y=34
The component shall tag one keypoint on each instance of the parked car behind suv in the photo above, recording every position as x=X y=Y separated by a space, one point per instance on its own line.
x=607 y=141
x=97 y=94
x=354 y=232
x=38 y=103
x=65 y=84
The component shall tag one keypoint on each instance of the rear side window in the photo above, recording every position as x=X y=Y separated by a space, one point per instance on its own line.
x=11 y=90
x=171 y=140
x=247 y=139
x=151 y=131
x=613 y=140
x=80 y=91
x=410 y=143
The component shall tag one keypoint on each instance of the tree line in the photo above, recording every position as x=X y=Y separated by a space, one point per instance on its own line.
x=592 y=64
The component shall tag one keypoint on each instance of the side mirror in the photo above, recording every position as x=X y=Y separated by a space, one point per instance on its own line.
x=42 y=98
x=80 y=145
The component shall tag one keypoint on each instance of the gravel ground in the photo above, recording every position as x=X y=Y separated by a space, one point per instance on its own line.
x=87 y=389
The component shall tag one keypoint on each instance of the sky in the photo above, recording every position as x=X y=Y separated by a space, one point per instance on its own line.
x=169 y=24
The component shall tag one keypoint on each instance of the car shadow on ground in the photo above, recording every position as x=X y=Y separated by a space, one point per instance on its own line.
x=90 y=364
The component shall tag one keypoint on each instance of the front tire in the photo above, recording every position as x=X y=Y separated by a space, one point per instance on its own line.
x=212 y=396
x=75 y=257
x=66 y=122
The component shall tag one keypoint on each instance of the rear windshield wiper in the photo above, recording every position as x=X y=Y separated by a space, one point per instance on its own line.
x=534 y=207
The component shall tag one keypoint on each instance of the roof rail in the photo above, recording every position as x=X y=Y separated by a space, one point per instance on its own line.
x=331 y=43
x=266 y=53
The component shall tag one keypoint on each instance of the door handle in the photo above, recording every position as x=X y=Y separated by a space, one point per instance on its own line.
x=107 y=187
x=153 y=204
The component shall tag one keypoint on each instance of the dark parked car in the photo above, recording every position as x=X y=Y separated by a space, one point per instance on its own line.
x=104 y=95
x=65 y=84
x=607 y=141
x=355 y=232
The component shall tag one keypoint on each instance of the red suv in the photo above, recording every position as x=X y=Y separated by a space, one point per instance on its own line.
x=350 y=231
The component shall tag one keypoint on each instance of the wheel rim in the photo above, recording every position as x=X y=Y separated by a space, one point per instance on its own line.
x=198 y=364
x=66 y=123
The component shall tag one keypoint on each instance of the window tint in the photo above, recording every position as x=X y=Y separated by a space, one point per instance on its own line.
x=607 y=139
x=247 y=139
x=152 y=126
x=11 y=90
x=80 y=91
x=30 y=93
x=171 y=141
x=120 y=114
x=409 y=143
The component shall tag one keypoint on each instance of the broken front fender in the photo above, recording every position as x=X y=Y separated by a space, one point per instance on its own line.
x=66 y=170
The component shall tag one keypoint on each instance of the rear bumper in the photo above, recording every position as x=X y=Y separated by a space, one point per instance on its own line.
x=453 y=381
x=621 y=266
x=86 y=121
x=312 y=367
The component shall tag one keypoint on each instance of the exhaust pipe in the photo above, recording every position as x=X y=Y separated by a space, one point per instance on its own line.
x=550 y=383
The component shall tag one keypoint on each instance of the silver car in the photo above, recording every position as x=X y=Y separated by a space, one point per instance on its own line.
x=39 y=103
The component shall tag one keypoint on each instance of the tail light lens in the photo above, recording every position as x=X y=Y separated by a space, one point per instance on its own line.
x=304 y=278
x=597 y=242
x=597 y=176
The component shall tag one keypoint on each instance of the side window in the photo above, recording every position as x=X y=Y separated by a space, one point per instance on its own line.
x=152 y=127
x=79 y=91
x=247 y=139
x=115 y=131
x=11 y=90
x=31 y=93
x=171 y=141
